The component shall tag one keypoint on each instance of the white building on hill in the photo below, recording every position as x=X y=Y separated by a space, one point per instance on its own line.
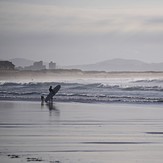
x=52 y=65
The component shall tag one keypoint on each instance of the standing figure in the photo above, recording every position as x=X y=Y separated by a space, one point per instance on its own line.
x=50 y=89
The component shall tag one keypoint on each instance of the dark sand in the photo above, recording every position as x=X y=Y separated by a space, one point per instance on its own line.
x=80 y=133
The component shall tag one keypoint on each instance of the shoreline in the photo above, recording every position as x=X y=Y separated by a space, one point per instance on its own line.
x=38 y=100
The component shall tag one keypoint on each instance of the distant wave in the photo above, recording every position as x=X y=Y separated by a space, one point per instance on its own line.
x=144 y=88
x=26 y=83
x=148 y=81
x=132 y=88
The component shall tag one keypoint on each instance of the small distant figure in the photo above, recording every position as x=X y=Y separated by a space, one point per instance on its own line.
x=42 y=99
x=50 y=89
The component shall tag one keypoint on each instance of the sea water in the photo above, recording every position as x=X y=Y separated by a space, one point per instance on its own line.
x=89 y=90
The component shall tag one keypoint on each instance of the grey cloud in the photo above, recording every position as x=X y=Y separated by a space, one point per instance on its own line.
x=32 y=18
x=79 y=49
x=155 y=20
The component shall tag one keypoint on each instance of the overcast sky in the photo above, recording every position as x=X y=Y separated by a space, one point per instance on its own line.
x=71 y=32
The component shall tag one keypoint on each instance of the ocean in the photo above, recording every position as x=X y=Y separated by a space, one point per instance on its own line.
x=115 y=118
x=130 y=89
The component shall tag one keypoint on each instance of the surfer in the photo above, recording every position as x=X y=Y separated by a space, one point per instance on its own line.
x=50 y=89
x=52 y=92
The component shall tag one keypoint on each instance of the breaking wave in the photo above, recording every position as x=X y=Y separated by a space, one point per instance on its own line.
x=138 y=91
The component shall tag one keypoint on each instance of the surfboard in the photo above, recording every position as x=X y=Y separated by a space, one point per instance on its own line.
x=51 y=94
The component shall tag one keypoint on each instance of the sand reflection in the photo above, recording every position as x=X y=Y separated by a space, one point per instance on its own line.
x=53 y=111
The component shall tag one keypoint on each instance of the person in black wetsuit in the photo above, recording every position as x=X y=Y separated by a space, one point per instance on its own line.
x=50 y=89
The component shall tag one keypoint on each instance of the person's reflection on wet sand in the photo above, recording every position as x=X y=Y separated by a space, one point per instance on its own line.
x=53 y=109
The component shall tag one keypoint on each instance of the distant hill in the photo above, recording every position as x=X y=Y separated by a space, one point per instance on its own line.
x=119 y=65
x=21 y=62
x=108 y=65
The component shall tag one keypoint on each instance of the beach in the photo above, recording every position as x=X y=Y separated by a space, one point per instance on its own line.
x=80 y=132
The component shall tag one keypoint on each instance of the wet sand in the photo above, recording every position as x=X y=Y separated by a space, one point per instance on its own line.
x=80 y=133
